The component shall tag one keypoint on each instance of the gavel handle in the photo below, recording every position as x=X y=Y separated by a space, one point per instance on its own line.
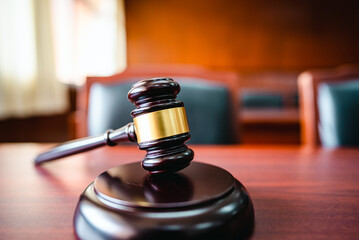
x=110 y=138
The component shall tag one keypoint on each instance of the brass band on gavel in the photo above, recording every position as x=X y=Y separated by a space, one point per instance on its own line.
x=160 y=124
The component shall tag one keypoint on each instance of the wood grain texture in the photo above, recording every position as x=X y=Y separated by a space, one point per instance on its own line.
x=242 y=34
x=274 y=126
x=298 y=193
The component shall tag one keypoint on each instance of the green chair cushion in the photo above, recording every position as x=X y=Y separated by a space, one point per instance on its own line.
x=338 y=107
x=208 y=109
x=261 y=100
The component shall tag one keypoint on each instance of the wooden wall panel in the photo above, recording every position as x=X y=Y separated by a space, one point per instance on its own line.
x=243 y=34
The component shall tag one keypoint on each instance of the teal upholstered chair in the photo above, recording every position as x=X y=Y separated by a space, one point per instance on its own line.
x=108 y=107
x=260 y=100
x=209 y=99
x=338 y=106
x=329 y=106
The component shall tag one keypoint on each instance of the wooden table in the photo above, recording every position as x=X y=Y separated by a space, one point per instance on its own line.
x=269 y=126
x=297 y=193
x=271 y=116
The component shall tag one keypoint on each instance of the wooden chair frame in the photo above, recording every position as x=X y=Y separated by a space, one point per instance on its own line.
x=308 y=83
x=230 y=79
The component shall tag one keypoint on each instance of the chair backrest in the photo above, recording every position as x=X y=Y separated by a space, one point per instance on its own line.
x=308 y=83
x=210 y=98
x=338 y=106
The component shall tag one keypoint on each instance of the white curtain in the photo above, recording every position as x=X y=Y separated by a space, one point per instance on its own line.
x=46 y=43
x=90 y=38
x=28 y=84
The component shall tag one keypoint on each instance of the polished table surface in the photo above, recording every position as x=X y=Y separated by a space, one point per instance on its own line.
x=297 y=193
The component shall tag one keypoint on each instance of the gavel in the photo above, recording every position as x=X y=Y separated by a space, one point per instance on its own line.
x=159 y=126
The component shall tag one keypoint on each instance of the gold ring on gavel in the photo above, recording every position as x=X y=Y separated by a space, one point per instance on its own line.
x=160 y=124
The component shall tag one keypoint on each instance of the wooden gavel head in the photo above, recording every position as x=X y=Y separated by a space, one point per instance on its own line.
x=161 y=125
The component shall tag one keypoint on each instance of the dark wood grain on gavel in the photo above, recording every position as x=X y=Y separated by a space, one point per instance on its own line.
x=110 y=138
x=167 y=154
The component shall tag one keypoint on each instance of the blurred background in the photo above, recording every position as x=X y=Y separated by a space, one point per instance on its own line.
x=49 y=47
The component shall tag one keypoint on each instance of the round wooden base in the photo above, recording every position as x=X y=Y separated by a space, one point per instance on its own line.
x=200 y=202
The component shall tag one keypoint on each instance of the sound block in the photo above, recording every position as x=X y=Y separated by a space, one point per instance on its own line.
x=201 y=201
